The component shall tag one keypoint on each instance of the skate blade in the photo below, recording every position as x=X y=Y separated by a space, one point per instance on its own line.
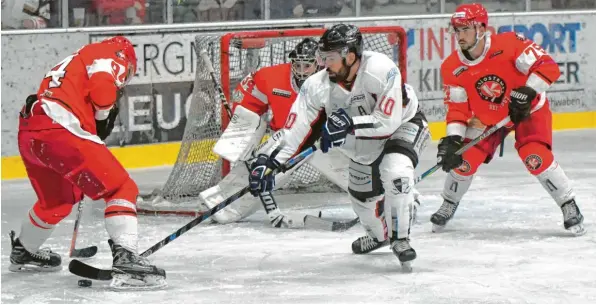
x=578 y=230
x=32 y=268
x=406 y=267
x=127 y=282
x=438 y=228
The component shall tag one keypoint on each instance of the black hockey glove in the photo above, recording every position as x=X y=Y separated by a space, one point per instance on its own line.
x=446 y=156
x=336 y=128
x=520 y=104
x=262 y=178
x=104 y=127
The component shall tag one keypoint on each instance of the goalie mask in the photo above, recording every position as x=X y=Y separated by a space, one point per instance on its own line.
x=304 y=60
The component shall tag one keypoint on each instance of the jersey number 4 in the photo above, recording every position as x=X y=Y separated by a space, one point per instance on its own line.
x=59 y=71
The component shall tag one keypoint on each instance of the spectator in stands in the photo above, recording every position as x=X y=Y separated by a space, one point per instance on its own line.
x=220 y=10
x=119 y=12
x=316 y=8
x=21 y=14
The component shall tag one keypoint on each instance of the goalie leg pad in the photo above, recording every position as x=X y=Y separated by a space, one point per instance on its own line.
x=230 y=184
x=333 y=165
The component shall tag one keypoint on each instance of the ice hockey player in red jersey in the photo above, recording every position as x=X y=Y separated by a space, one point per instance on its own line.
x=263 y=99
x=487 y=79
x=61 y=133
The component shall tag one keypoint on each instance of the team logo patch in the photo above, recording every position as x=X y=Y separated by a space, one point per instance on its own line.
x=402 y=185
x=533 y=162
x=491 y=88
x=237 y=96
x=457 y=72
x=465 y=167
x=280 y=92
x=495 y=54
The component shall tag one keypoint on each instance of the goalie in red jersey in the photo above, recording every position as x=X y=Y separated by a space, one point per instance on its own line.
x=61 y=133
x=488 y=78
x=264 y=99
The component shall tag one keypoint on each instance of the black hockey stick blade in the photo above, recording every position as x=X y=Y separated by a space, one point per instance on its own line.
x=81 y=269
x=84 y=252
x=87 y=271
x=317 y=223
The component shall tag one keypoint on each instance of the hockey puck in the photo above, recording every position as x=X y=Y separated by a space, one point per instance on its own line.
x=84 y=283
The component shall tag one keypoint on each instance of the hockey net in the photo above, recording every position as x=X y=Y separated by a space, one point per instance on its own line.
x=235 y=55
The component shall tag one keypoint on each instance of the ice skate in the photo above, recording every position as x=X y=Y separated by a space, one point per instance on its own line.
x=404 y=252
x=443 y=215
x=22 y=260
x=573 y=220
x=133 y=272
x=367 y=244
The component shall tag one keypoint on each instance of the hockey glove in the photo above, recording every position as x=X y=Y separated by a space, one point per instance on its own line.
x=261 y=178
x=520 y=104
x=104 y=127
x=338 y=126
x=446 y=156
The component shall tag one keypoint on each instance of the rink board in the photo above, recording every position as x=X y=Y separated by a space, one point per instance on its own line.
x=162 y=154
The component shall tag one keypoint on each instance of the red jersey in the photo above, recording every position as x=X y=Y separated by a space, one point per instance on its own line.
x=480 y=88
x=269 y=88
x=82 y=84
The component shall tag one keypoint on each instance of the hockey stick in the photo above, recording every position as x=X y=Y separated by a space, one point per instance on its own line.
x=84 y=252
x=460 y=151
x=318 y=223
x=81 y=269
x=267 y=199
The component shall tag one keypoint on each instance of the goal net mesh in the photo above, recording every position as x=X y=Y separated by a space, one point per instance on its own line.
x=235 y=55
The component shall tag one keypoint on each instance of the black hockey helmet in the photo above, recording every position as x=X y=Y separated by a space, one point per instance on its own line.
x=304 y=60
x=344 y=38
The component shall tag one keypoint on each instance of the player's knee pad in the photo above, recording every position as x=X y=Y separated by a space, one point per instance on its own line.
x=473 y=157
x=536 y=156
x=397 y=173
x=456 y=186
x=128 y=191
x=374 y=214
x=44 y=215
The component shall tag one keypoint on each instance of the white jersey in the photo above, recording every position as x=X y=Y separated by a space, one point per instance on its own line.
x=375 y=104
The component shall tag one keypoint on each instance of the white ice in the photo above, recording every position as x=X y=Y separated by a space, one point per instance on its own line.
x=506 y=245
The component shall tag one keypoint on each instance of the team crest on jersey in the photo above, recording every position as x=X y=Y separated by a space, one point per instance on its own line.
x=533 y=162
x=283 y=93
x=491 y=88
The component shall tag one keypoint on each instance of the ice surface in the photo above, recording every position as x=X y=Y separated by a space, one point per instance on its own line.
x=506 y=245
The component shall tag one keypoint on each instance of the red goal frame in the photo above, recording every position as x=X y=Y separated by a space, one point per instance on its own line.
x=396 y=35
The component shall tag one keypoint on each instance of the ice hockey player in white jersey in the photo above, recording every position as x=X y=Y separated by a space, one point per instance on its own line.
x=360 y=105
x=263 y=99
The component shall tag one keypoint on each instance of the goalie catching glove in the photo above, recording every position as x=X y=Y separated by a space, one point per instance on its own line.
x=262 y=178
x=338 y=126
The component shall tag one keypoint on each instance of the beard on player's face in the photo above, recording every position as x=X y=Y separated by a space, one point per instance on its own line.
x=340 y=75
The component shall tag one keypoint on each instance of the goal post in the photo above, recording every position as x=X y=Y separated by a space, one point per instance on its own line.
x=234 y=55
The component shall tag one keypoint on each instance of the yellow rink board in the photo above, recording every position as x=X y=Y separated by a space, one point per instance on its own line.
x=142 y=156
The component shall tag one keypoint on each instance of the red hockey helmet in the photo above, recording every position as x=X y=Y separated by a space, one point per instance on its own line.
x=129 y=53
x=469 y=15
